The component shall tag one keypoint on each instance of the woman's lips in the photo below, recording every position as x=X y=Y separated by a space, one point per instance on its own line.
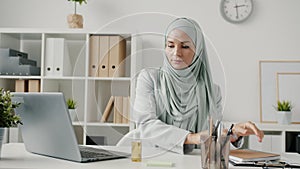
x=177 y=61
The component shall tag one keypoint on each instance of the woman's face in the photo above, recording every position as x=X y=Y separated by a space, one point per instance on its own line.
x=180 y=49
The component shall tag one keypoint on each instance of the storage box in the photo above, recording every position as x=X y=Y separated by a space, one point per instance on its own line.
x=298 y=143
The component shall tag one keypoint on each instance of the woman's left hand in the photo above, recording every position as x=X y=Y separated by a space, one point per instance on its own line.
x=246 y=129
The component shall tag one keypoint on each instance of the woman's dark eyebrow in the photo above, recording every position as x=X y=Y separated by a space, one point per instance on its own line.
x=180 y=42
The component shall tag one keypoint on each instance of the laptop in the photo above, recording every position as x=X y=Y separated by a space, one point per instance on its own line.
x=47 y=129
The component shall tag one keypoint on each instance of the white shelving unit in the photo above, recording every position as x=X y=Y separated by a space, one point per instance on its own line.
x=277 y=137
x=91 y=93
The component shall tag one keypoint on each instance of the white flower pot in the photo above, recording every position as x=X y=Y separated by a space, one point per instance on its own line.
x=284 y=117
x=2 y=133
x=73 y=114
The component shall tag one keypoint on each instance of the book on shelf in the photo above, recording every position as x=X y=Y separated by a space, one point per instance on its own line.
x=57 y=60
x=248 y=155
x=117 y=53
x=21 y=85
x=126 y=109
x=106 y=56
x=103 y=56
x=118 y=106
x=108 y=109
x=99 y=55
x=33 y=85
x=94 y=53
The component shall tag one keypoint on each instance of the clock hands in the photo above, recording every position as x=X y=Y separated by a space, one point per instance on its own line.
x=237 y=13
x=237 y=6
x=236 y=9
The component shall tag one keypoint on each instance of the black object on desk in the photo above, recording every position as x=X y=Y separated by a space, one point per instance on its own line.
x=298 y=143
x=292 y=141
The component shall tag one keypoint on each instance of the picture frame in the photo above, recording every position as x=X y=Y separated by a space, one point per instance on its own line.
x=268 y=70
x=287 y=88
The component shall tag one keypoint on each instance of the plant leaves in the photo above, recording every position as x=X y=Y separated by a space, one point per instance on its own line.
x=8 y=117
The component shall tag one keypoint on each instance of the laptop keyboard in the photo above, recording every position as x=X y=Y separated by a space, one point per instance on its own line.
x=88 y=152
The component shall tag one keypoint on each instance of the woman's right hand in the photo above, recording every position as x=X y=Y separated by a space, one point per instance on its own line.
x=194 y=138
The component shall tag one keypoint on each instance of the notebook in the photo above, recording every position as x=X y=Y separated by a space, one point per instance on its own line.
x=247 y=155
x=47 y=129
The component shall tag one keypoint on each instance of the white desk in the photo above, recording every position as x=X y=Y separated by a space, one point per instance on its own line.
x=14 y=155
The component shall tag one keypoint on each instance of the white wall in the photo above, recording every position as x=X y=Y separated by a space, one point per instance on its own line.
x=272 y=33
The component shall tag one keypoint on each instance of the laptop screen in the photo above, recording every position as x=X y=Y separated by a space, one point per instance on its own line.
x=47 y=128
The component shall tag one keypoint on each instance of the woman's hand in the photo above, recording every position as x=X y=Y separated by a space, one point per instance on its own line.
x=194 y=138
x=239 y=129
x=246 y=129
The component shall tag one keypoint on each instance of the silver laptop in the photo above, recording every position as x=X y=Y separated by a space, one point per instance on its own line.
x=47 y=129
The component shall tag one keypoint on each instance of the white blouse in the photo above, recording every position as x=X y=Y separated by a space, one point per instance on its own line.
x=153 y=131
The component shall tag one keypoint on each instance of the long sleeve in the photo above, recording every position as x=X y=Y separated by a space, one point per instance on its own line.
x=239 y=143
x=218 y=99
x=152 y=129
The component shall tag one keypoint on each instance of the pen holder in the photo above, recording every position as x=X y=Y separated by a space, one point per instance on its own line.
x=215 y=152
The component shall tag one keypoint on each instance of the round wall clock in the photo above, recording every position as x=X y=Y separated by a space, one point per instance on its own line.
x=236 y=11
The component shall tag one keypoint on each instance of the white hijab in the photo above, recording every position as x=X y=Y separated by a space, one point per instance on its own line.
x=186 y=97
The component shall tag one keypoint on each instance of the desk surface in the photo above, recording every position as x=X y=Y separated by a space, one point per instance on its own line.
x=14 y=155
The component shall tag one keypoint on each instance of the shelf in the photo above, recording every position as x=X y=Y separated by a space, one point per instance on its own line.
x=78 y=36
x=20 y=77
x=77 y=123
x=61 y=31
x=64 y=78
x=106 y=124
x=111 y=78
x=23 y=35
x=99 y=124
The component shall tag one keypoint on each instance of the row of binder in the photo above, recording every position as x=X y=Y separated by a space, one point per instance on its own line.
x=27 y=85
x=120 y=107
x=57 y=59
x=107 y=54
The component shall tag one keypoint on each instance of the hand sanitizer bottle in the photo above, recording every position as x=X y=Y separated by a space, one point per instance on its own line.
x=136 y=148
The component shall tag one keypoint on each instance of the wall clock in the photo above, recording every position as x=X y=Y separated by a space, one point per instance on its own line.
x=236 y=11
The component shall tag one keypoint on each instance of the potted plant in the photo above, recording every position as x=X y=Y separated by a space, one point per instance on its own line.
x=72 y=108
x=8 y=118
x=284 y=112
x=76 y=20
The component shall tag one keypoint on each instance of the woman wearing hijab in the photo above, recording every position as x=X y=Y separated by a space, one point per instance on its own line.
x=173 y=103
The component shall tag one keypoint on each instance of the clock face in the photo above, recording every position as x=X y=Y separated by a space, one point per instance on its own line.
x=236 y=11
